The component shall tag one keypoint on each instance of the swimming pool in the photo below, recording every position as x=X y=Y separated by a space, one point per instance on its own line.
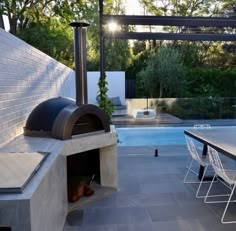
x=151 y=136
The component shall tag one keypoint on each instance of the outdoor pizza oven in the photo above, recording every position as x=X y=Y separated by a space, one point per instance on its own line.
x=63 y=118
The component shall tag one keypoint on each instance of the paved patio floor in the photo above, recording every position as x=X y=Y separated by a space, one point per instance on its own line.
x=150 y=197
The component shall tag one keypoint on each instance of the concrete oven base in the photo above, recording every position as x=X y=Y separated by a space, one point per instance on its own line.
x=43 y=204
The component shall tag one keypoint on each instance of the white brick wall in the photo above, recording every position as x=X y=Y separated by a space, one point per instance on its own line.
x=27 y=77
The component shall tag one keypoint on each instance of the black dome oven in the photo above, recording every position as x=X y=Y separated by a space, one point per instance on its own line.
x=63 y=118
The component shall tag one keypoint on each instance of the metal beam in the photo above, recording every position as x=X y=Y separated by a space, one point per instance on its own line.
x=170 y=20
x=170 y=36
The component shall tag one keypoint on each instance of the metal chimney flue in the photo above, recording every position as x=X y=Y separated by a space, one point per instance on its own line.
x=80 y=53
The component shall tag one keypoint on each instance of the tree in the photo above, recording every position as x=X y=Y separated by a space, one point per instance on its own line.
x=117 y=52
x=50 y=32
x=193 y=53
x=42 y=23
x=21 y=12
x=1 y=17
x=187 y=7
x=118 y=55
x=138 y=46
x=164 y=73
x=2 y=23
x=52 y=38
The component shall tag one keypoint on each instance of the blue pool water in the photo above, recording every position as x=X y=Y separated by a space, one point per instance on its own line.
x=151 y=136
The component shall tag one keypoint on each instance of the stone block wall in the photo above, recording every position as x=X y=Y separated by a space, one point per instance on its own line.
x=27 y=77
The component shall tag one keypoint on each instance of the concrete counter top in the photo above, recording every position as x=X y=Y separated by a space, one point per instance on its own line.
x=43 y=204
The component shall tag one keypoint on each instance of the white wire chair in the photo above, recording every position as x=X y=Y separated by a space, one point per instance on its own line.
x=198 y=145
x=201 y=126
x=203 y=161
x=225 y=176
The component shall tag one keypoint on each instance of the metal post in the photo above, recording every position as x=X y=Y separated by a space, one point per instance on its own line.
x=83 y=59
x=102 y=41
x=156 y=153
x=80 y=61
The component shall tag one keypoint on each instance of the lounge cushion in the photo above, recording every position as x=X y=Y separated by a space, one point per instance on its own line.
x=120 y=107
x=116 y=101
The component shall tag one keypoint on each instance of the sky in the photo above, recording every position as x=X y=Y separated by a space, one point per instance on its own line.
x=133 y=7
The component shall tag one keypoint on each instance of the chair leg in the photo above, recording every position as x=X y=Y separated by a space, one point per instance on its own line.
x=209 y=189
x=187 y=173
x=226 y=207
x=218 y=195
x=187 y=164
x=200 y=184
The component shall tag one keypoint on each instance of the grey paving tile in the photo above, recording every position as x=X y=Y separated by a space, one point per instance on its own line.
x=158 y=177
x=186 y=197
x=164 y=187
x=130 y=199
x=124 y=179
x=74 y=218
x=129 y=186
x=178 y=225
x=196 y=209
x=116 y=216
x=144 y=200
x=173 y=212
x=164 y=213
x=152 y=197
x=92 y=228
x=107 y=202
x=218 y=210
x=135 y=227
x=206 y=224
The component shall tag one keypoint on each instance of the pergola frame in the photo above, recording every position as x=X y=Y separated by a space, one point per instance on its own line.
x=170 y=20
x=218 y=22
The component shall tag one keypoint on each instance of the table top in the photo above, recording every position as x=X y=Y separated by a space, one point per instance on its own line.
x=222 y=139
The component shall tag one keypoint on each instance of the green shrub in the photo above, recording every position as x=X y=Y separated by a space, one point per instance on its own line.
x=210 y=82
x=203 y=108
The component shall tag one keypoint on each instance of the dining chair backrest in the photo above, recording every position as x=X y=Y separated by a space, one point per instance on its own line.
x=201 y=126
x=216 y=163
x=192 y=149
x=198 y=144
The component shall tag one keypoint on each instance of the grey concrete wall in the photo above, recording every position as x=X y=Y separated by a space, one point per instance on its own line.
x=45 y=209
x=27 y=77
x=43 y=204
x=108 y=166
x=48 y=205
x=17 y=211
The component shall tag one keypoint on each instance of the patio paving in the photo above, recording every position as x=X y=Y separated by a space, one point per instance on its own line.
x=150 y=196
